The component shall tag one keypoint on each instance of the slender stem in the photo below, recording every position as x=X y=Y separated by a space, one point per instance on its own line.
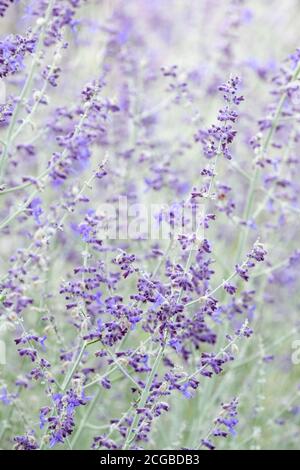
x=122 y=369
x=37 y=102
x=91 y=407
x=270 y=270
x=45 y=173
x=26 y=87
x=283 y=409
x=162 y=259
x=144 y=397
x=268 y=347
x=16 y=188
x=251 y=192
x=19 y=211
x=62 y=220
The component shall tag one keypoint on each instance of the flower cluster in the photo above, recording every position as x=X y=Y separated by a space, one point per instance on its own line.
x=13 y=50
x=217 y=139
x=4 y=4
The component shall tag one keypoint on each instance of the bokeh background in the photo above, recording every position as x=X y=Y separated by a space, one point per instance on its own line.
x=132 y=44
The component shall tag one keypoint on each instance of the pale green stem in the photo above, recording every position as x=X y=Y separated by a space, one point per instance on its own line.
x=275 y=417
x=144 y=397
x=36 y=104
x=268 y=347
x=114 y=368
x=220 y=353
x=265 y=191
x=87 y=415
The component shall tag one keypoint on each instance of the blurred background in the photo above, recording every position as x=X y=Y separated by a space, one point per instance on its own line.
x=134 y=46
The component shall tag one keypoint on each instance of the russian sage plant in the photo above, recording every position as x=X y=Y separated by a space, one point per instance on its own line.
x=149 y=219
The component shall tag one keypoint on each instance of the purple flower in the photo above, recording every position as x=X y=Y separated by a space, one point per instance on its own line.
x=125 y=262
x=26 y=442
x=218 y=138
x=231 y=289
x=4 y=4
x=5 y=397
x=214 y=363
x=106 y=383
x=208 y=444
x=104 y=442
x=12 y=52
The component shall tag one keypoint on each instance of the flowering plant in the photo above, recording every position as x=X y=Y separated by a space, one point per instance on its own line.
x=149 y=191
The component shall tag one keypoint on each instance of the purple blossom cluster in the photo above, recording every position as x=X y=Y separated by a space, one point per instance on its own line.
x=4 y=4
x=124 y=342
